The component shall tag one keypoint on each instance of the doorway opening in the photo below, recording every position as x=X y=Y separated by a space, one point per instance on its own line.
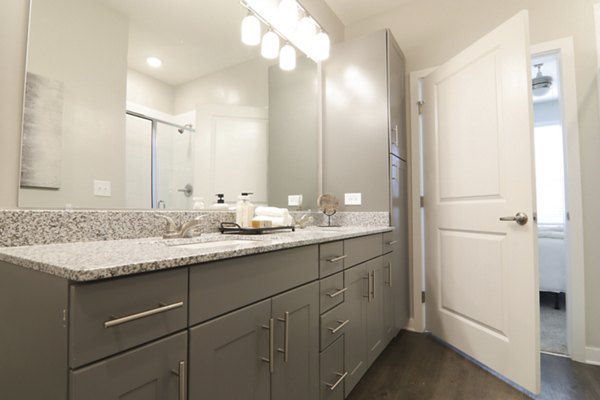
x=550 y=193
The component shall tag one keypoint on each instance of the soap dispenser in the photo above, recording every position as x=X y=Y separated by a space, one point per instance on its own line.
x=220 y=204
x=244 y=211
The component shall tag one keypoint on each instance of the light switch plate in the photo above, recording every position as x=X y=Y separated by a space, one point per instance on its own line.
x=102 y=188
x=353 y=199
x=295 y=200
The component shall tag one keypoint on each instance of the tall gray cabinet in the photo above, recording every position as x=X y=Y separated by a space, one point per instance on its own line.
x=365 y=146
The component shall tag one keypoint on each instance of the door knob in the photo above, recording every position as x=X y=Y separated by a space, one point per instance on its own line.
x=520 y=218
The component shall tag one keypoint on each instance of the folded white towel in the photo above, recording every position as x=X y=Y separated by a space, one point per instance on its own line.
x=276 y=221
x=271 y=211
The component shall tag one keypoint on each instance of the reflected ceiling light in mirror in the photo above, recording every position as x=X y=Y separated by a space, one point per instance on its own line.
x=250 y=30
x=287 y=58
x=322 y=44
x=154 y=62
x=269 y=47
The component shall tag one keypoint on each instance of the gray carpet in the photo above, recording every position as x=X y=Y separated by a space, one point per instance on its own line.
x=553 y=324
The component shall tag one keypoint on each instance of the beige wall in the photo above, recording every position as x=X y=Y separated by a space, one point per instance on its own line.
x=431 y=31
x=88 y=55
x=13 y=34
x=150 y=92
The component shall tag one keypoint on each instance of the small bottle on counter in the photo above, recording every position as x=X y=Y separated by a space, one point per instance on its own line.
x=220 y=204
x=244 y=211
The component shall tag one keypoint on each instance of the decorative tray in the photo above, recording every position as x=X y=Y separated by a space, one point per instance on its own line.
x=232 y=227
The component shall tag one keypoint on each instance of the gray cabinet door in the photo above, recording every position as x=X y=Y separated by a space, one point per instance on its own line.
x=355 y=336
x=375 y=334
x=389 y=329
x=148 y=372
x=226 y=356
x=296 y=373
x=399 y=220
x=396 y=98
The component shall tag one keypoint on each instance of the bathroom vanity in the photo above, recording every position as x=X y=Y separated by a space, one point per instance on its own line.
x=288 y=316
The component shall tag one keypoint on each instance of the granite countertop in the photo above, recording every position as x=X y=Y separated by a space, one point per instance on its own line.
x=88 y=261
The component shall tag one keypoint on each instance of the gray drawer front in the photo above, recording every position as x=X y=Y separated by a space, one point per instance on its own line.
x=223 y=286
x=333 y=325
x=331 y=286
x=388 y=242
x=94 y=304
x=331 y=258
x=362 y=248
x=332 y=371
x=143 y=373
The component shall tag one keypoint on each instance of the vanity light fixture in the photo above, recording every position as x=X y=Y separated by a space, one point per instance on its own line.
x=250 y=30
x=283 y=21
x=287 y=58
x=154 y=62
x=269 y=47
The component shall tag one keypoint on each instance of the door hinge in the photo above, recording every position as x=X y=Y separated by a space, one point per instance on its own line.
x=423 y=297
x=420 y=104
x=422 y=201
x=568 y=216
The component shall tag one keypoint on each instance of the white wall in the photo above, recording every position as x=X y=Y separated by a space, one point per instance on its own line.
x=431 y=31
x=244 y=84
x=70 y=50
x=149 y=92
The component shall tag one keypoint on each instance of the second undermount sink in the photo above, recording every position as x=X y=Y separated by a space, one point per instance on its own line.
x=218 y=244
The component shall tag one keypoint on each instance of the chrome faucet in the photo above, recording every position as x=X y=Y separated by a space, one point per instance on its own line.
x=186 y=230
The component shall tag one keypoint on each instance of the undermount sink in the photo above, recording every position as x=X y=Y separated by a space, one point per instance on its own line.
x=214 y=244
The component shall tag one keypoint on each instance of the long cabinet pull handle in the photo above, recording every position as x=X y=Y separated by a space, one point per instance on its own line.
x=271 y=359
x=286 y=336
x=337 y=292
x=182 y=384
x=163 y=308
x=390 y=274
x=391 y=242
x=373 y=283
x=332 y=386
x=368 y=278
x=336 y=259
x=340 y=326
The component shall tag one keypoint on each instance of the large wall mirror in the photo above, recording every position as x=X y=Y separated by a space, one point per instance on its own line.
x=104 y=129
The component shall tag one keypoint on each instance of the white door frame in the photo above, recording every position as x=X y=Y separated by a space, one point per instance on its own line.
x=575 y=257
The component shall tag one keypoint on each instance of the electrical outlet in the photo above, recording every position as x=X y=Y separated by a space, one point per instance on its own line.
x=353 y=199
x=295 y=200
x=102 y=188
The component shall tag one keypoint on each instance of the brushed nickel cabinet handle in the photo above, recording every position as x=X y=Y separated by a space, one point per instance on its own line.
x=182 y=384
x=392 y=242
x=286 y=336
x=336 y=259
x=368 y=278
x=340 y=326
x=163 y=308
x=332 y=386
x=373 y=283
x=271 y=359
x=390 y=274
x=337 y=293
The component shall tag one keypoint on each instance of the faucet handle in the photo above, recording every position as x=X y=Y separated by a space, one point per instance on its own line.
x=171 y=227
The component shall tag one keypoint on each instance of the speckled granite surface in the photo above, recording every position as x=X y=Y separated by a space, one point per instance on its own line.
x=87 y=261
x=33 y=227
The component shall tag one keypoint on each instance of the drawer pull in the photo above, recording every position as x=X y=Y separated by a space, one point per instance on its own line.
x=340 y=326
x=337 y=293
x=181 y=374
x=163 y=308
x=286 y=336
x=391 y=242
x=271 y=359
x=336 y=259
x=332 y=386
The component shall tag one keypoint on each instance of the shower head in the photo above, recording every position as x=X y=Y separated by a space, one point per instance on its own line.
x=183 y=128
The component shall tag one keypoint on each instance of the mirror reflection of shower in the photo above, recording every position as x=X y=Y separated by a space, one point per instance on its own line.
x=159 y=159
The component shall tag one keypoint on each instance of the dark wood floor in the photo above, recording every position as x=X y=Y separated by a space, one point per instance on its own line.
x=417 y=367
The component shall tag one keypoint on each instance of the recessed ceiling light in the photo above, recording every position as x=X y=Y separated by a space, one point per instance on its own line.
x=154 y=62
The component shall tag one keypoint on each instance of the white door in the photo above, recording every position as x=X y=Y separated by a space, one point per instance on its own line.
x=482 y=279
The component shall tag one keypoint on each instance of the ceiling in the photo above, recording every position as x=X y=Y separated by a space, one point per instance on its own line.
x=350 y=11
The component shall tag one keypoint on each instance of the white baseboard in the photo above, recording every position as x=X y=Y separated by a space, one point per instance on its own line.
x=592 y=355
